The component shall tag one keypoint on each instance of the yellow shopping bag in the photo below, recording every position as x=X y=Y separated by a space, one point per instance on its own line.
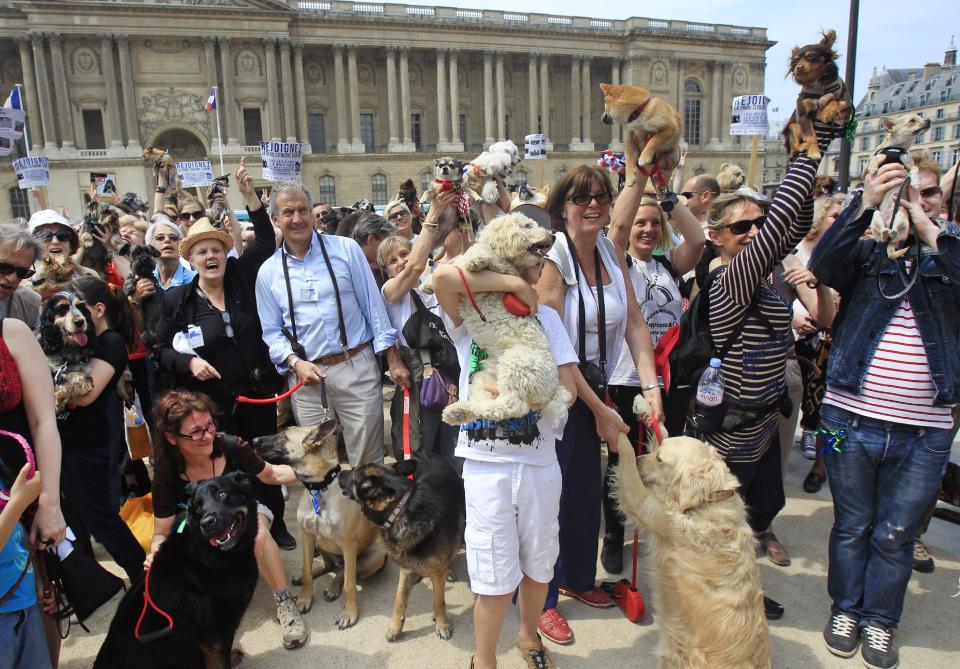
x=137 y=513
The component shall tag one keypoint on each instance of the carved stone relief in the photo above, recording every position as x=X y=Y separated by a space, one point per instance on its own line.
x=314 y=73
x=167 y=46
x=11 y=68
x=84 y=61
x=416 y=75
x=659 y=75
x=248 y=63
x=172 y=106
x=366 y=74
x=740 y=77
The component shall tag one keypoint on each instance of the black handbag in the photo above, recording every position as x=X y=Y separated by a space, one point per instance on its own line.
x=425 y=330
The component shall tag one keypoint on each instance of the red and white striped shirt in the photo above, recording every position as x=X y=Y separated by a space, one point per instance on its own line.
x=898 y=386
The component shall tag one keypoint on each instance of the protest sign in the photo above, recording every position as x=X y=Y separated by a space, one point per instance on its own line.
x=281 y=161
x=106 y=183
x=6 y=145
x=195 y=173
x=535 y=147
x=11 y=123
x=749 y=115
x=32 y=172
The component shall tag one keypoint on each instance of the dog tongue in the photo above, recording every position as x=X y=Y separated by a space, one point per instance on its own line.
x=80 y=338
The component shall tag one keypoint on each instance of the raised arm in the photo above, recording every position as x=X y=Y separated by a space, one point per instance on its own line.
x=686 y=256
x=624 y=211
x=448 y=285
x=408 y=278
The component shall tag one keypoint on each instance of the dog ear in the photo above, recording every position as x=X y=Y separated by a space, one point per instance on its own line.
x=707 y=481
x=887 y=123
x=321 y=433
x=829 y=37
x=607 y=89
x=405 y=467
x=189 y=489
x=244 y=482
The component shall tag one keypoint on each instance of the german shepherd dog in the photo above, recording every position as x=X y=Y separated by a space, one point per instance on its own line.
x=203 y=577
x=330 y=523
x=421 y=522
x=67 y=337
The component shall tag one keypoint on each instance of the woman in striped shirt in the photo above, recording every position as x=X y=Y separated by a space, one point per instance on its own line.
x=743 y=293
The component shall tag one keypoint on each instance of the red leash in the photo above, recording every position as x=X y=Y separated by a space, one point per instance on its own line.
x=269 y=400
x=148 y=602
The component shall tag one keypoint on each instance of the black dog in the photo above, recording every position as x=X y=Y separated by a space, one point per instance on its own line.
x=202 y=576
x=421 y=522
x=143 y=263
x=67 y=337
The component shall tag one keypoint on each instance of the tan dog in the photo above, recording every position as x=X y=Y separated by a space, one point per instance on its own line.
x=706 y=584
x=888 y=225
x=730 y=177
x=652 y=124
x=329 y=522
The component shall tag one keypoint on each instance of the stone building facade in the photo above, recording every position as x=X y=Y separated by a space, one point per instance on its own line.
x=374 y=91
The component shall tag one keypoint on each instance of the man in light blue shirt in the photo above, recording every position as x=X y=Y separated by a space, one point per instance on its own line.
x=338 y=324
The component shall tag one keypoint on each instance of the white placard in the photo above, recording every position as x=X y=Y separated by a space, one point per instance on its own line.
x=106 y=183
x=281 y=160
x=535 y=147
x=195 y=173
x=11 y=122
x=749 y=115
x=6 y=144
x=32 y=172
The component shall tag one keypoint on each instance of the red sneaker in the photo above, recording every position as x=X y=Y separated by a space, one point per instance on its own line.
x=594 y=597
x=555 y=627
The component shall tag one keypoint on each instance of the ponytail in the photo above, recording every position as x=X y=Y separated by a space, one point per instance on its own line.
x=119 y=314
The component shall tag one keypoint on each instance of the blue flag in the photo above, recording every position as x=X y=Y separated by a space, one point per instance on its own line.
x=13 y=100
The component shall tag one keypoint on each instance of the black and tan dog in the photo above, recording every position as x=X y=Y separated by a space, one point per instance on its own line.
x=67 y=338
x=203 y=577
x=421 y=522
x=814 y=67
x=330 y=523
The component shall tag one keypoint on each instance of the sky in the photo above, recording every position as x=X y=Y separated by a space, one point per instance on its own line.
x=891 y=33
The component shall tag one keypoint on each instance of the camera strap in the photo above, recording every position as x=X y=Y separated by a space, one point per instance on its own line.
x=601 y=311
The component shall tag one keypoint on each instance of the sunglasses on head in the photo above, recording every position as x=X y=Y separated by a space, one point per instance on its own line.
x=933 y=191
x=6 y=269
x=193 y=215
x=744 y=226
x=583 y=199
x=46 y=235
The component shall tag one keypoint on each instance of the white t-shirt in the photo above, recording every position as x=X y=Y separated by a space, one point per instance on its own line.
x=661 y=304
x=400 y=312
x=543 y=449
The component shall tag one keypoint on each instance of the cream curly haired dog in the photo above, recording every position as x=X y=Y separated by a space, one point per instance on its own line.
x=519 y=372
x=706 y=586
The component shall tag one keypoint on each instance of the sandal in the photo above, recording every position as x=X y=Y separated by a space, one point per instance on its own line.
x=594 y=597
x=535 y=655
x=555 y=627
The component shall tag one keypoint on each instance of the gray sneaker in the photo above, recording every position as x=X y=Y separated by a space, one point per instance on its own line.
x=808 y=443
x=878 y=650
x=293 y=633
x=842 y=635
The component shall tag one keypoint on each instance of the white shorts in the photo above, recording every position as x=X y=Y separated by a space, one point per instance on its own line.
x=512 y=523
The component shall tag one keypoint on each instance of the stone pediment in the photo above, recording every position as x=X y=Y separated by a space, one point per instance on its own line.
x=272 y=5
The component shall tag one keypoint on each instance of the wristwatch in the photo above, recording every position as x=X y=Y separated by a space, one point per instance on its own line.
x=650 y=386
x=292 y=361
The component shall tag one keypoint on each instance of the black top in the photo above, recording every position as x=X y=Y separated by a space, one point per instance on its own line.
x=89 y=426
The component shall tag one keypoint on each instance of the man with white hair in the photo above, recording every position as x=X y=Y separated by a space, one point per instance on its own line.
x=18 y=250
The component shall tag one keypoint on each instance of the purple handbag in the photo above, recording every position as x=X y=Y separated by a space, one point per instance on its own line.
x=434 y=393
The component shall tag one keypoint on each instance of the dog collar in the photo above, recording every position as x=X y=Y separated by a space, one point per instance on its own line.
x=321 y=486
x=638 y=111
x=397 y=510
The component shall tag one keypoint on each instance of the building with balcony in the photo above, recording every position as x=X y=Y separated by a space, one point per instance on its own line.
x=373 y=91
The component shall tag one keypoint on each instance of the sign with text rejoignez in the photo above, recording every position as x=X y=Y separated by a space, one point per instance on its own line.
x=281 y=161
x=749 y=115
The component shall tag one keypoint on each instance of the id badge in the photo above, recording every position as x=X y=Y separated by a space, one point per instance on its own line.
x=195 y=337
x=308 y=294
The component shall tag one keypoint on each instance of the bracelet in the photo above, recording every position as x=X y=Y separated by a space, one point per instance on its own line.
x=430 y=226
x=162 y=190
x=650 y=386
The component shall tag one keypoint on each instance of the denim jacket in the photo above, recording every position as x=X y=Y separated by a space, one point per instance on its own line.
x=858 y=270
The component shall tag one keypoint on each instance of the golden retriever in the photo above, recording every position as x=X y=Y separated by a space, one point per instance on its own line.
x=706 y=585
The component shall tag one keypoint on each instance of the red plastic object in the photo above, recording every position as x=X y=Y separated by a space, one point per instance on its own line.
x=407 y=453
x=625 y=592
x=515 y=305
x=269 y=400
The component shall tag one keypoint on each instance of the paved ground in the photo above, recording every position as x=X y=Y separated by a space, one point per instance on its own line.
x=928 y=637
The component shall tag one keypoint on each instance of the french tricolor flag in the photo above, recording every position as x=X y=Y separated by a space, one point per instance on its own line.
x=212 y=100
x=13 y=100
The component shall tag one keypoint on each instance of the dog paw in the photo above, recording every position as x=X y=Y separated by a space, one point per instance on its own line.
x=347 y=619
x=451 y=577
x=330 y=594
x=394 y=630
x=304 y=604
x=296 y=580
x=444 y=631
x=236 y=656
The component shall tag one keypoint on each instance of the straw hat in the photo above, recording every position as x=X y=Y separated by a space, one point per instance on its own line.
x=201 y=231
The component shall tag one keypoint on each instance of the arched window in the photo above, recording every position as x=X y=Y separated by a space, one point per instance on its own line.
x=328 y=191
x=425 y=178
x=378 y=184
x=692 y=98
x=521 y=177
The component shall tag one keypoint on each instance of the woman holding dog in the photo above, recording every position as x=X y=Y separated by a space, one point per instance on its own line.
x=585 y=282
x=751 y=306
x=209 y=337
x=187 y=448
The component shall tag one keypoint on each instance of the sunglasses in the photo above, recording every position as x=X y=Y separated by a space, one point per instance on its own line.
x=227 y=325
x=744 y=226
x=192 y=215
x=397 y=214
x=200 y=432
x=933 y=191
x=583 y=199
x=6 y=269
x=61 y=235
x=689 y=194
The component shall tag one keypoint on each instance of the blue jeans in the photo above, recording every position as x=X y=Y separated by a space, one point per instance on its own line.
x=882 y=480
x=23 y=643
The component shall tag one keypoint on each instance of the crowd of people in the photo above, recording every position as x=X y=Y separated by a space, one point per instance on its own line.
x=815 y=322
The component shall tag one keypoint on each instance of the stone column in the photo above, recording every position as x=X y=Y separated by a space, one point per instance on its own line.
x=405 y=120
x=303 y=131
x=129 y=95
x=574 y=106
x=114 y=124
x=714 y=118
x=340 y=91
x=676 y=67
x=286 y=85
x=533 y=110
x=615 y=142
x=210 y=57
x=394 y=144
x=725 y=103
x=47 y=119
x=488 y=137
x=64 y=104
x=456 y=141
x=354 y=85
x=275 y=130
x=30 y=91
x=442 y=143
x=231 y=113
x=501 y=104
x=586 y=143
x=545 y=98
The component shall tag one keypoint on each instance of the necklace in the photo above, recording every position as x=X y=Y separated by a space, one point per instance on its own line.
x=651 y=280
x=213 y=472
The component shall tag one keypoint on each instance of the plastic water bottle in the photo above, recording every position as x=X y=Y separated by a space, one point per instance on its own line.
x=708 y=408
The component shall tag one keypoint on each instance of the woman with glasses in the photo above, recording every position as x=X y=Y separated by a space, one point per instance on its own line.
x=164 y=235
x=57 y=238
x=398 y=213
x=188 y=448
x=585 y=276
x=209 y=338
